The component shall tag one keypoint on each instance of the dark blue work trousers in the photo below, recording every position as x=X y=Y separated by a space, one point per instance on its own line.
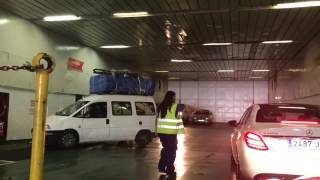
x=168 y=153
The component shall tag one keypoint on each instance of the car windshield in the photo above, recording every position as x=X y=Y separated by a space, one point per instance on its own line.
x=278 y=115
x=203 y=112
x=71 y=109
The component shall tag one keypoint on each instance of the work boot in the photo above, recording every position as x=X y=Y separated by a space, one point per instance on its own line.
x=162 y=170
x=172 y=175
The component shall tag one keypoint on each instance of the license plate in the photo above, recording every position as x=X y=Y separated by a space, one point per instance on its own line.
x=306 y=144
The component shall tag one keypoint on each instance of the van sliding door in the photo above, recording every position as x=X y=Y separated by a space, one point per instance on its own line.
x=95 y=124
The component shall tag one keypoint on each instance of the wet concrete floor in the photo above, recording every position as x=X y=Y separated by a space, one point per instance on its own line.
x=203 y=154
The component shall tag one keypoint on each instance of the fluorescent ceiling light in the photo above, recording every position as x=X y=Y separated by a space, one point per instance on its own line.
x=161 y=71
x=62 y=18
x=260 y=70
x=174 y=78
x=297 y=5
x=225 y=70
x=3 y=21
x=256 y=77
x=67 y=48
x=216 y=44
x=181 y=60
x=114 y=46
x=298 y=70
x=277 y=42
x=131 y=14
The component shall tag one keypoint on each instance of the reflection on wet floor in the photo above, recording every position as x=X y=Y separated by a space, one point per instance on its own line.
x=179 y=163
x=203 y=154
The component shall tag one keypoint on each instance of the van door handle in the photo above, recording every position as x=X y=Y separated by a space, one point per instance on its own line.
x=107 y=121
x=140 y=123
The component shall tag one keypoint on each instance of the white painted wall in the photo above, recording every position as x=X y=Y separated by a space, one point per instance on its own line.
x=20 y=41
x=20 y=110
x=160 y=90
x=298 y=81
x=226 y=99
x=315 y=100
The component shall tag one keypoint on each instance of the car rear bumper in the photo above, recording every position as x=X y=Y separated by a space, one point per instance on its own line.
x=255 y=163
x=53 y=137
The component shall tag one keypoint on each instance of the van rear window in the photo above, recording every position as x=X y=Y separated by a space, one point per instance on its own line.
x=278 y=115
x=145 y=109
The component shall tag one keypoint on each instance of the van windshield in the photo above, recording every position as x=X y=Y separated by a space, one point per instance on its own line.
x=71 y=109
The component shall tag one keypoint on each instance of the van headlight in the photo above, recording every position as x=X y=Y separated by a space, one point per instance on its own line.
x=48 y=127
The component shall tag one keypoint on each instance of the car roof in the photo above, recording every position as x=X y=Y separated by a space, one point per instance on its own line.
x=292 y=105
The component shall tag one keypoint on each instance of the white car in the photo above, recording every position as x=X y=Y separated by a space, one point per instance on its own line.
x=277 y=141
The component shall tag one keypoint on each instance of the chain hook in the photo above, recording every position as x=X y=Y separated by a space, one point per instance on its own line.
x=36 y=66
x=37 y=60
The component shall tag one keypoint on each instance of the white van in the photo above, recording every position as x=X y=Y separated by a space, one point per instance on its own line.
x=99 y=118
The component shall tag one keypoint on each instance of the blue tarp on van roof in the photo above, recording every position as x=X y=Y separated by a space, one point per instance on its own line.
x=121 y=84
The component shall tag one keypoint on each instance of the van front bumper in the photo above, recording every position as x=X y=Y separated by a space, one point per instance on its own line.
x=53 y=137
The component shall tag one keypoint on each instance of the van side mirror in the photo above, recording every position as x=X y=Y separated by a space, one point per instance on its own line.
x=233 y=123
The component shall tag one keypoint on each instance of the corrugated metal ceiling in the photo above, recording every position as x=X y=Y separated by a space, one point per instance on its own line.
x=245 y=23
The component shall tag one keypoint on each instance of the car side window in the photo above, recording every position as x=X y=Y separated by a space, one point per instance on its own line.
x=121 y=108
x=94 y=110
x=145 y=109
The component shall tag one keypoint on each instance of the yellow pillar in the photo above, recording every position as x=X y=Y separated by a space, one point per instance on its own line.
x=39 y=119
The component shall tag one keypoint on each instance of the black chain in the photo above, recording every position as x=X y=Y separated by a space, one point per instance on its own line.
x=26 y=67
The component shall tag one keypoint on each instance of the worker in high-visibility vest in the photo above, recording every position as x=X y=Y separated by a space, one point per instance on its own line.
x=169 y=124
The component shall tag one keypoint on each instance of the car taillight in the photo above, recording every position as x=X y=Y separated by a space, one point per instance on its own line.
x=255 y=141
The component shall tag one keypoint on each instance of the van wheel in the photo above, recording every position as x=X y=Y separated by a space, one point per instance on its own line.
x=69 y=139
x=143 y=138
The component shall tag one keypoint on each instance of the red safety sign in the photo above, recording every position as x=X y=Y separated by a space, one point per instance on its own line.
x=75 y=64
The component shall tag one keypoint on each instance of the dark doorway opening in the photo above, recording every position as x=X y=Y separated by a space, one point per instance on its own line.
x=4 y=109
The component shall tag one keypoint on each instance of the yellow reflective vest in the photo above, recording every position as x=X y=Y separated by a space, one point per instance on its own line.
x=170 y=124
